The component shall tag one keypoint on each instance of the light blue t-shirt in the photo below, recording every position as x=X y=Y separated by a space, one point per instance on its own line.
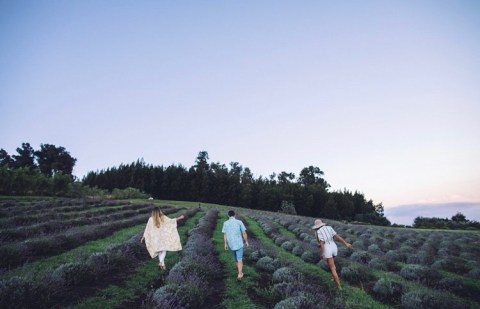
x=234 y=228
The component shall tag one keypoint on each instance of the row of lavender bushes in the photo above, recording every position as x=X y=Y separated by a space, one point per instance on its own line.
x=55 y=286
x=53 y=227
x=57 y=214
x=190 y=283
x=354 y=267
x=13 y=208
x=14 y=255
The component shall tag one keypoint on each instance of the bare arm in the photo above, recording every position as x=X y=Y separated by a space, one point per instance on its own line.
x=180 y=217
x=245 y=237
x=322 y=245
x=346 y=244
x=225 y=241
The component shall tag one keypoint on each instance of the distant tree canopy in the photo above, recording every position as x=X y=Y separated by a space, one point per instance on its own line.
x=235 y=185
x=458 y=222
x=49 y=159
x=47 y=171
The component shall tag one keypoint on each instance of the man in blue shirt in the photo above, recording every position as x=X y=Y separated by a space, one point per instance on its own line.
x=233 y=230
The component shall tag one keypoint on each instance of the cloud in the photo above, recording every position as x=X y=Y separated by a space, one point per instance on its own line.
x=405 y=214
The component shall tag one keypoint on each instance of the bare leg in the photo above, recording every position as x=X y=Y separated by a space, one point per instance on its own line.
x=240 y=269
x=161 y=259
x=333 y=270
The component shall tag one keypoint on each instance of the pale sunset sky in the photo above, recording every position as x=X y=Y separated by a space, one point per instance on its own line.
x=382 y=96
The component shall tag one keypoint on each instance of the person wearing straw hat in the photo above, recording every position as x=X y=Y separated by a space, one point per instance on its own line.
x=326 y=235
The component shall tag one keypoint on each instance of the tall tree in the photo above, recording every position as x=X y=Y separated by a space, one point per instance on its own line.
x=25 y=157
x=201 y=163
x=5 y=159
x=284 y=177
x=52 y=159
x=310 y=175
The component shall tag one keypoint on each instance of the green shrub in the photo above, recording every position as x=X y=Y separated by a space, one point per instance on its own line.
x=256 y=255
x=375 y=249
x=413 y=242
x=297 y=250
x=355 y=273
x=71 y=274
x=414 y=259
x=388 y=290
x=377 y=264
x=361 y=257
x=266 y=263
x=164 y=297
x=288 y=245
x=394 y=255
x=419 y=273
x=280 y=240
x=359 y=245
x=18 y=292
x=285 y=274
x=324 y=265
x=344 y=252
x=311 y=257
x=297 y=302
x=474 y=273
x=454 y=285
x=418 y=299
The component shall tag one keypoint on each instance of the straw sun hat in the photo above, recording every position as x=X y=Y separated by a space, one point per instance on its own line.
x=318 y=224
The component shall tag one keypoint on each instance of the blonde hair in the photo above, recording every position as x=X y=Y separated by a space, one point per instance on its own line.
x=157 y=216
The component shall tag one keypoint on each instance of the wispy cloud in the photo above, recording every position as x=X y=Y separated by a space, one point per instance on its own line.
x=405 y=214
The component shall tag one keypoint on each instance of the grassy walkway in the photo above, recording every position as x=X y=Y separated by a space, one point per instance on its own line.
x=138 y=283
x=235 y=292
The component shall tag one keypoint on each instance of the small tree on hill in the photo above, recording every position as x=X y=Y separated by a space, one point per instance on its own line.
x=459 y=217
x=288 y=207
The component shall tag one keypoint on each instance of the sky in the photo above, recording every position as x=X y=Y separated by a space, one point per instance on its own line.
x=382 y=96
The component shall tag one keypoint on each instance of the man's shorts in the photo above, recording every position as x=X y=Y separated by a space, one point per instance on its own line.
x=238 y=254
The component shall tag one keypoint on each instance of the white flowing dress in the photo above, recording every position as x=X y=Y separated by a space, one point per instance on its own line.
x=163 y=238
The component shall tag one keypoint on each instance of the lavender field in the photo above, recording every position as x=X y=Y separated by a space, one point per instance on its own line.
x=86 y=253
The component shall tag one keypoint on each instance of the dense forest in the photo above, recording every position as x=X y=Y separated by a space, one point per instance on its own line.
x=235 y=185
x=48 y=171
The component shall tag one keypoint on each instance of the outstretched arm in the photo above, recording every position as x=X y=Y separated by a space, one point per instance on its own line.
x=346 y=244
x=180 y=217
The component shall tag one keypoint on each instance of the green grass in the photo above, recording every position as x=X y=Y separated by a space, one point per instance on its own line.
x=139 y=282
x=235 y=295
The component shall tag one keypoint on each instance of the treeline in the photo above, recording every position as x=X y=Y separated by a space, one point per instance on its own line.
x=236 y=185
x=48 y=172
x=457 y=222
x=49 y=159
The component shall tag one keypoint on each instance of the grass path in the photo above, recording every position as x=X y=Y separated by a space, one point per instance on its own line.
x=235 y=295
x=139 y=282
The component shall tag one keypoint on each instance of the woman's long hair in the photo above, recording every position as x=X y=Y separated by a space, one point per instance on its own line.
x=157 y=216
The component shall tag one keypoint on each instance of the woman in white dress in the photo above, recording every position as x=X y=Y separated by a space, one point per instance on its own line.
x=325 y=236
x=161 y=235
